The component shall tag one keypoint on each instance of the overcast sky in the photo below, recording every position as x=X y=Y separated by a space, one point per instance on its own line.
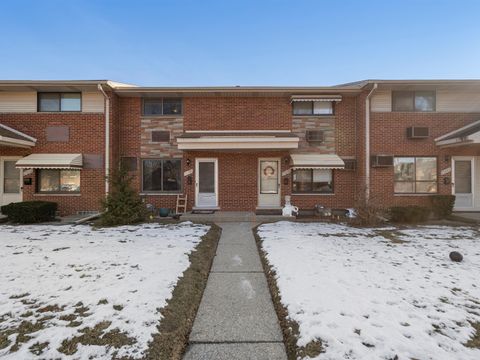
x=244 y=42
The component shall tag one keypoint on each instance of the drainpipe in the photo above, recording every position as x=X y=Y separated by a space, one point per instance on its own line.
x=107 y=137
x=367 y=142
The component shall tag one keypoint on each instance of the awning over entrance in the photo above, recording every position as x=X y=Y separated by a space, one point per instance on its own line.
x=237 y=140
x=50 y=161
x=12 y=137
x=316 y=98
x=467 y=135
x=317 y=161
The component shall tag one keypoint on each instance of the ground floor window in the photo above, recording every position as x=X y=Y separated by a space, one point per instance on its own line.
x=415 y=175
x=161 y=175
x=58 y=181
x=313 y=181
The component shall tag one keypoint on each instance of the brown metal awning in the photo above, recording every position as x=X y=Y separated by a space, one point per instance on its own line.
x=12 y=137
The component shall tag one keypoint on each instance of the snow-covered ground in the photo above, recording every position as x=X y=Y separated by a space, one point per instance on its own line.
x=366 y=297
x=122 y=275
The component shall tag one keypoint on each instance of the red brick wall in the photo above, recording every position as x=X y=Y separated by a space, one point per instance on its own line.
x=388 y=136
x=86 y=137
x=237 y=113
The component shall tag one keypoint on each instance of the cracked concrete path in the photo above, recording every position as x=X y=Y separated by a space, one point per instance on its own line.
x=236 y=318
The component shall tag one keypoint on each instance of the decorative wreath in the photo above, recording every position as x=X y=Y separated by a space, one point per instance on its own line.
x=268 y=171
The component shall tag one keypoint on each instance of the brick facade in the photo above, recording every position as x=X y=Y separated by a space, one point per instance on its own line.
x=86 y=136
x=131 y=136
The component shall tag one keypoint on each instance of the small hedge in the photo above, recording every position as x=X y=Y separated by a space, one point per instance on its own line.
x=409 y=214
x=442 y=205
x=29 y=212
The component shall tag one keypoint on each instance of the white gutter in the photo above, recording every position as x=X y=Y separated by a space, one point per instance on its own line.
x=367 y=142
x=107 y=138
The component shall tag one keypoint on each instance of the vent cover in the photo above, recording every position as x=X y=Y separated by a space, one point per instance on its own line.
x=315 y=136
x=417 y=132
x=382 y=160
x=160 y=136
x=350 y=164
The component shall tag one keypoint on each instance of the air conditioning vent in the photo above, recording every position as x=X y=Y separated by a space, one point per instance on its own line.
x=350 y=164
x=416 y=132
x=382 y=160
x=316 y=136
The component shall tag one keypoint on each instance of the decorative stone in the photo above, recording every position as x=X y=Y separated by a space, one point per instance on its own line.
x=456 y=256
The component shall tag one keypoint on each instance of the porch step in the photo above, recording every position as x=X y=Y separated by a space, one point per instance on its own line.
x=268 y=211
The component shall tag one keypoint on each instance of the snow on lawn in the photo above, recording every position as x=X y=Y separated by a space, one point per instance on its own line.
x=367 y=297
x=66 y=278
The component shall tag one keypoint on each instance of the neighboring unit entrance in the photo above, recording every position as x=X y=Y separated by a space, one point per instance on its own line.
x=11 y=181
x=463 y=181
x=269 y=183
x=206 y=183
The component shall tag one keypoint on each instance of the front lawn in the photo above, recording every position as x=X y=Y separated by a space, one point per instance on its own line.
x=73 y=291
x=377 y=294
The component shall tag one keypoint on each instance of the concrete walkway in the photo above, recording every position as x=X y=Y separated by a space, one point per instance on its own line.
x=236 y=318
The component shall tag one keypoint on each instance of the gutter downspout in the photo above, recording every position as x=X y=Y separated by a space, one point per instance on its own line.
x=367 y=142
x=107 y=138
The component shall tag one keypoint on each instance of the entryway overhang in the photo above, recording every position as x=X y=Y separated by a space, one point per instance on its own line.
x=466 y=135
x=237 y=141
x=50 y=161
x=317 y=161
x=15 y=138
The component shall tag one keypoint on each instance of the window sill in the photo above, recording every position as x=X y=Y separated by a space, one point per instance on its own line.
x=161 y=116
x=56 y=194
x=313 y=194
x=331 y=116
x=419 y=194
x=159 y=194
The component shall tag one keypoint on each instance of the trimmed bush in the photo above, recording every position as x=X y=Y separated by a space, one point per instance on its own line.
x=442 y=205
x=409 y=214
x=30 y=212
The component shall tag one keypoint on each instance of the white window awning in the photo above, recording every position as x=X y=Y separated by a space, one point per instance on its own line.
x=15 y=138
x=317 y=161
x=238 y=141
x=50 y=161
x=330 y=98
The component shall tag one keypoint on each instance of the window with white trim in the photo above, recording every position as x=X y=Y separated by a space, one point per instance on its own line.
x=316 y=108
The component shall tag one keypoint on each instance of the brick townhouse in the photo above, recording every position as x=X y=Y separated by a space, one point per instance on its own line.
x=242 y=148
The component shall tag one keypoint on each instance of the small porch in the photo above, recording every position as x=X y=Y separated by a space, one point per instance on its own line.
x=463 y=147
x=13 y=145
x=232 y=216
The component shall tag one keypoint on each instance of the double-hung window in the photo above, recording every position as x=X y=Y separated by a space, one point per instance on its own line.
x=313 y=181
x=162 y=106
x=415 y=175
x=315 y=108
x=161 y=175
x=59 y=102
x=420 y=101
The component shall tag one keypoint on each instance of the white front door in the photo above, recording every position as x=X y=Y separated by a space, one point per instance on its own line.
x=11 y=181
x=463 y=182
x=269 y=194
x=206 y=183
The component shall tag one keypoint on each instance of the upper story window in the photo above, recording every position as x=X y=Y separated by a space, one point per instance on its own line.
x=313 y=108
x=162 y=106
x=59 y=102
x=413 y=100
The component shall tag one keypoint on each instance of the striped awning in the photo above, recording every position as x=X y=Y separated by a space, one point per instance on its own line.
x=51 y=161
x=330 y=98
x=317 y=161
x=15 y=138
